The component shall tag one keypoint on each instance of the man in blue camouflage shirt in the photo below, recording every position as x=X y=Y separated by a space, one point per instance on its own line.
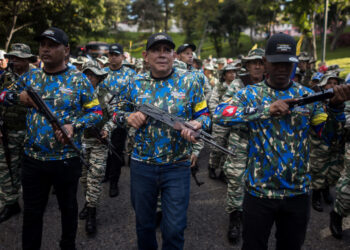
x=161 y=158
x=118 y=74
x=278 y=180
x=48 y=159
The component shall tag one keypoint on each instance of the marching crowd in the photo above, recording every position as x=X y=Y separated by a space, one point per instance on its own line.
x=286 y=156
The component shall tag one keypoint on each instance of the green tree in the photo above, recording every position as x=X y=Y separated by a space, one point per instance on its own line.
x=29 y=18
x=147 y=14
x=233 y=18
x=339 y=13
x=303 y=15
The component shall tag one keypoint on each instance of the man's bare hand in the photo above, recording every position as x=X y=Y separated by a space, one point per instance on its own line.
x=280 y=107
x=188 y=134
x=341 y=94
x=26 y=100
x=137 y=119
x=194 y=159
x=59 y=135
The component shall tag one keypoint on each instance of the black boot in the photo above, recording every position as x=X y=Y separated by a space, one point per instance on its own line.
x=336 y=222
x=159 y=216
x=234 y=229
x=113 y=189
x=9 y=211
x=83 y=212
x=90 y=226
x=316 y=200
x=211 y=171
x=327 y=197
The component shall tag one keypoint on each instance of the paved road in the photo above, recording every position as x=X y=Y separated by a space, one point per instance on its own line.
x=207 y=222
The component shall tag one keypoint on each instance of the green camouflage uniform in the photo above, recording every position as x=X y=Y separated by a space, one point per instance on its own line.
x=220 y=133
x=234 y=167
x=305 y=76
x=14 y=122
x=342 y=202
x=94 y=151
x=326 y=162
x=326 y=157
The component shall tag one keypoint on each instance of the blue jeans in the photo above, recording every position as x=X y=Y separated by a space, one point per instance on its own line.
x=173 y=181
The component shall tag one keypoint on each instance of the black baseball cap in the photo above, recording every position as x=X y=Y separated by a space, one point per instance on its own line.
x=116 y=48
x=55 y=34
x=281 y=48
x=159 y=38
x=183 y=47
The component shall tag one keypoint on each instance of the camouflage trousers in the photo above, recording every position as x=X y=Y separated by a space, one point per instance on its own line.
x=96 y=154
x=326 y=164
x=217 y=158
x=9 y=192
x=234 y=169
x=342 y=201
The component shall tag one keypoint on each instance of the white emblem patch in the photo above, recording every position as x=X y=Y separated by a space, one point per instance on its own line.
x=160 y=37
x=49 y=32
x=283 y=48
x=66 y=91
x=178 y=95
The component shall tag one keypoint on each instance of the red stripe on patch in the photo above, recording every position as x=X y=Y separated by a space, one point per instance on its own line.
x=97 y=112
x=229 y=111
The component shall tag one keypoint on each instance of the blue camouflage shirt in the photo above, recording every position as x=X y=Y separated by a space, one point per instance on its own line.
x=69 y=95
x=278 y=149
x=180 y=94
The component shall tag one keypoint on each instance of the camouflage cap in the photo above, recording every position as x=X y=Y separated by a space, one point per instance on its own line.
x=209 y=66
x=328 y=76
x=94 y=67
x=255 y=54
x=221 y=60
x=102 y=59
x=81 y=60
x=21 y=50
x=229 y=67
x=304 y=56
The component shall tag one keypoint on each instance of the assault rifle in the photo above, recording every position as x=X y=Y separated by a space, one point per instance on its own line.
x=53 y=120
x=55 y=123
x=306 y=99
x=177 y=123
